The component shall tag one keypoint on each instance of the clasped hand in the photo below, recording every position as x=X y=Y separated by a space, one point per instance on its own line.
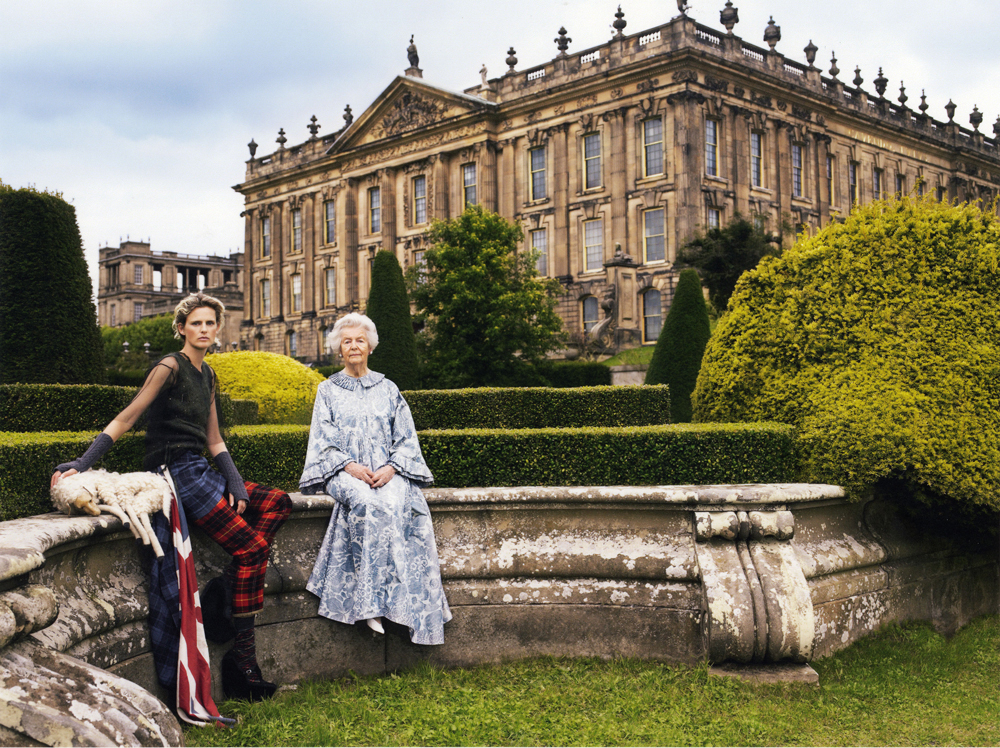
x=375 y=479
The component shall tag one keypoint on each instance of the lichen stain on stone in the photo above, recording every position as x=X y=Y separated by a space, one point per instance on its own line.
x=84 y=712
x=569 y=545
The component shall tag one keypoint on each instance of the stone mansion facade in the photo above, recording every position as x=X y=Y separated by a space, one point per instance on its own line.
x=609 y=158
x=136 y=282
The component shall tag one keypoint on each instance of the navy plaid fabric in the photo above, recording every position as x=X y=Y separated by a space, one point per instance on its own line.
x=198 y=486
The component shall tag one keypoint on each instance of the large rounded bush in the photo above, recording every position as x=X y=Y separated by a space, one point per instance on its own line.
x=880 y=338
x=283 y=388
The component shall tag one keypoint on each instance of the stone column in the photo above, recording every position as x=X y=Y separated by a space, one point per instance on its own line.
x=487 y=155
x=740 y=161
x=249 y=258
x=278 y=218
x=689 y=161
x=561 y=248
x=617 y=122
x=309 y=251
x=387 y=190
x=442 y=186
x=349 y=255
x=823 y=198
x=508 y=179
x=783 y=170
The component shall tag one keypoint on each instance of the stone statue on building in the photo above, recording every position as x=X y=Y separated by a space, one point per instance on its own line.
x=411 y=54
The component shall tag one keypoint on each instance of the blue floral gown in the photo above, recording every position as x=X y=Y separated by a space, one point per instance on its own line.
x=379 y=557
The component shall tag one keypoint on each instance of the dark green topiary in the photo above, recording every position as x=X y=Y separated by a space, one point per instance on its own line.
x=880 y=338
x=48 y=323
x=677 y=357
x=389 y=308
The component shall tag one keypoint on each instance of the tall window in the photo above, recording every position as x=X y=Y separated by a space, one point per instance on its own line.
x=653 y=233
x=265 y=298
x=293 y=344
x=469 y=183
x=265 y=237
x=297 y=230
x=420 y=199
x=374 y=210
x=114 y=315
x=136 y=312
x=138 y=275
x=714 y=218
x=593 y=243
x=330 y=288
x=900 y=185
x=796 y=171
x=652 y=316
x=330 y=211
x=829 y=180
x=756 y=160
x=589 y=313
x=652 y=146
x=418 y=262
x=540 y=244
x=852 y=181
x=940 y=193
x=592 y=160
x=877 y=184
x=711 y=148
x=539 y=189
x=296 y=293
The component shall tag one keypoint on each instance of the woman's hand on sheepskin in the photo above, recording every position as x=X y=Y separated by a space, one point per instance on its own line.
x=57 y=476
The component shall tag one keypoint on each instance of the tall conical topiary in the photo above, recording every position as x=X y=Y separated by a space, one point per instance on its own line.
x=48 y=323
x=682 y=341
x=389 y=308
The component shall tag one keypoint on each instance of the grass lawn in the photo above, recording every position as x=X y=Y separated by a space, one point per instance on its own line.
x=905 y=685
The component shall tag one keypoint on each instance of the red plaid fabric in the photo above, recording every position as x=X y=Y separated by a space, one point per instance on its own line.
x=248 y=539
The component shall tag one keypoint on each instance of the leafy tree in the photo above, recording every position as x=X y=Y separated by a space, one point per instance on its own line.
x=48 y=322
x=389 y=308
x=880 y=338
x=722 y=255
x=489 y=315
x=679 y=349
x=157 y=331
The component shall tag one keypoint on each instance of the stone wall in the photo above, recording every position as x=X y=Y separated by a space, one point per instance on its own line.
x=763 y=573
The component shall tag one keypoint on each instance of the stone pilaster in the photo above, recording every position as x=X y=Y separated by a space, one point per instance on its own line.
x=350 y=229
x=561 y=247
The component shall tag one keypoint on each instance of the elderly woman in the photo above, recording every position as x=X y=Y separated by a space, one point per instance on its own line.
x=378 y=559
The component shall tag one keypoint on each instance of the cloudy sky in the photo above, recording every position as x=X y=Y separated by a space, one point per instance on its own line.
x=139 y=113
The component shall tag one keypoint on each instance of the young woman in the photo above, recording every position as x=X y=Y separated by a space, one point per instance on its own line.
x=179 y=393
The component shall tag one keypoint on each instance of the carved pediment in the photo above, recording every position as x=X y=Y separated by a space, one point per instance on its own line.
x=410 y=111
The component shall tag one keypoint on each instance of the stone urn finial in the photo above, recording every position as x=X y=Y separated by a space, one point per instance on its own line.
x=729 y=16
x=281 y=139
x=858 y=80
x=996 y=128
x=976 y=118
x=252 y=145
x=903 y=98
x=880 y=83
x=562 y=41
x=950 y=108
x=811 y=50
x=834 y=70
x=923 y=101
x=313 y=126
x=682 y=6
x=772 y=34
x=619 y=23
x=348 y=116
x=511 y=60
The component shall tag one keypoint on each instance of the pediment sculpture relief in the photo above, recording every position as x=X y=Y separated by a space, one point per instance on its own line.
x=408 y=112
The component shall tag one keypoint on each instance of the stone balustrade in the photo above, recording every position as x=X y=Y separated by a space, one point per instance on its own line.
x=747 y=574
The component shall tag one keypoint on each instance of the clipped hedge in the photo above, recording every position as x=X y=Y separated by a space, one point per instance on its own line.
x=539 y=407
x=85 y=407
x=576 y=373
x=274 y=455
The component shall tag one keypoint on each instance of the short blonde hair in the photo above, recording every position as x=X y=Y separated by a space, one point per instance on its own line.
x=195 y=301
x=353 y=319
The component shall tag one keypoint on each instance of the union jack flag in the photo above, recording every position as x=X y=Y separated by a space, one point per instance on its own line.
x=194 y=675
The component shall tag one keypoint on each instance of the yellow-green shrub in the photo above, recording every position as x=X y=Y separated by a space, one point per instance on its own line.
x=284 y=388
x=880 y=338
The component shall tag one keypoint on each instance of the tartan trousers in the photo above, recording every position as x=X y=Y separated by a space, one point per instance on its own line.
x=248 y=540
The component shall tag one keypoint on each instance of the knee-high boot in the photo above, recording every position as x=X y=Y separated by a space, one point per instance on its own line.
x=241 y=676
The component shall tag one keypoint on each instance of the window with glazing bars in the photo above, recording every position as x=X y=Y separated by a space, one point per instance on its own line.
x=296 y=293
x=652 y=316
x=589 y=313
x=652 y=142
x=469 y=183
x=265 y=237
x=593 y=242
x=711 y=148
x=540 y=244
x=420 y=199
x=756 y=170
x=592 y=160
x=796 y=170
x=852 y=181
x=265 y=298
x=374 y=210
x=653 y=235
x=330 y=294
x=539 y=188
x=330 y=209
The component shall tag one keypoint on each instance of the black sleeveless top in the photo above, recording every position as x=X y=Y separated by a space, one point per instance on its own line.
x=178 y=417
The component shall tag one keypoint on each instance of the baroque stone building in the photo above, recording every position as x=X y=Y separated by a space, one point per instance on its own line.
x=136 y=282
x=610 y=159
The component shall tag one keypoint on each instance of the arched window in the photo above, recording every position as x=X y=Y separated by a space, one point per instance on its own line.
x=589 y=313
x=652 y=315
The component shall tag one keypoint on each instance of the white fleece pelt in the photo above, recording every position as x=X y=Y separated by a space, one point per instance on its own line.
x=131 y=497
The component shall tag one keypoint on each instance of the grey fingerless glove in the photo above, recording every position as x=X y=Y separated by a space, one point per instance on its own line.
x=98 y=448
x=227 y=467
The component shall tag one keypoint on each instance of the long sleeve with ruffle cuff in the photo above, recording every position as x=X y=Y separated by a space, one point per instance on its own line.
x=404 y=454
x=325 y=457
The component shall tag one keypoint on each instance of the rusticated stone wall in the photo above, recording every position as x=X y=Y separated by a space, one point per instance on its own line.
x=763 y=573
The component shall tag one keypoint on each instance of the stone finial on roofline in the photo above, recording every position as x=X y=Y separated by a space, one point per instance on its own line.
x=414 y=70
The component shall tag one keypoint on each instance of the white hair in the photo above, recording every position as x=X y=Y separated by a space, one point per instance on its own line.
x=352 y=320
